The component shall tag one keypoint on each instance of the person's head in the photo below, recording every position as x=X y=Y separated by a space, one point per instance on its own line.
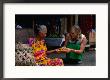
x=41 y=31
x=75 y=32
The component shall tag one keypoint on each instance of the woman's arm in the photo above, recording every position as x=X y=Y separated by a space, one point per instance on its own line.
x=51 y=51
x=82 y=47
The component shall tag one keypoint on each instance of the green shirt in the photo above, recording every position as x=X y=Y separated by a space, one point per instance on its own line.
x=74 y=45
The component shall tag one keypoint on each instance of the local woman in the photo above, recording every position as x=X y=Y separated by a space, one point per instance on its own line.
x=40 y=50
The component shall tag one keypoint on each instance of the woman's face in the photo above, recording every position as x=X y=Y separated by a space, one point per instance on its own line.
x=43 y=33
x=73 y=34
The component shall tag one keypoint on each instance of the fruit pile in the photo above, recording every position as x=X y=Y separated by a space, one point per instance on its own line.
x=55 y=62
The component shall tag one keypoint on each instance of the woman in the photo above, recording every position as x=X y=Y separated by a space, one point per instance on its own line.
x=76 y=43
x=40 y=49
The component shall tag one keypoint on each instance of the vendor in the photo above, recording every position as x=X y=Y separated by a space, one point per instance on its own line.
x=40 y=49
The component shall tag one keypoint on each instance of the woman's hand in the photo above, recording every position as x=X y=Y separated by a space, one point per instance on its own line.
x=63 y=50
x=67 y=50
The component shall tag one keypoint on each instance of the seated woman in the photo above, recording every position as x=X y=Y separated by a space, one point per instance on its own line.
x=40 y=49
x=76 y=43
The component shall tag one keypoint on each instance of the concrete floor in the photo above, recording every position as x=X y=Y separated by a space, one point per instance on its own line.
x=89 y=58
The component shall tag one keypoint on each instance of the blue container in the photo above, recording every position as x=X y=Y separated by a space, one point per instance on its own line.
x=54 y=41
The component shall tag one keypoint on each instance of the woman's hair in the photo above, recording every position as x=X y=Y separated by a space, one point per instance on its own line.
x=39 y=28
x=76 y=29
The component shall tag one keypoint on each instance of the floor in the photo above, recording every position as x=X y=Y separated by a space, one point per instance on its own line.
x=89 y=58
